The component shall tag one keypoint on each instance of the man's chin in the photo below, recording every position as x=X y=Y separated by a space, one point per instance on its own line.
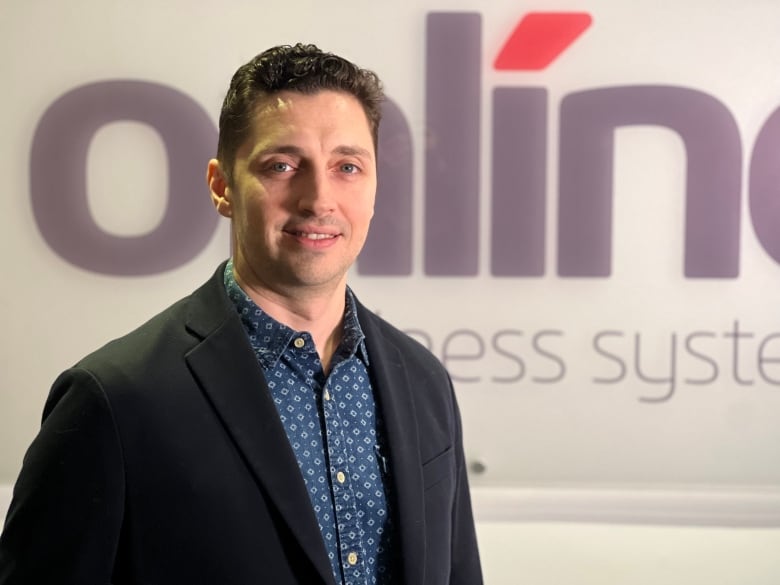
x=310 y=276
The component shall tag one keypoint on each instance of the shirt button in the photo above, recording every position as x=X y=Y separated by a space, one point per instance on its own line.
x=326 y=396
x=352 y=558
x=341 y=478
x=299 y=342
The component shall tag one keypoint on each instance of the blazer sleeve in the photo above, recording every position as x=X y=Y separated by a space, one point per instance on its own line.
x=64 y=520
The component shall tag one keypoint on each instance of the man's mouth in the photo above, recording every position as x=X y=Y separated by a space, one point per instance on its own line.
x=314 y=236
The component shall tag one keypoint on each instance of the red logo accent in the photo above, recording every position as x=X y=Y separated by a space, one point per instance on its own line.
x=539 y=38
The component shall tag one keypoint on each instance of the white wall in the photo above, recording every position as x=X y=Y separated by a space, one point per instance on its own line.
x=573 y=437
x=580 y=381
x=626 y=554
x=627 y=537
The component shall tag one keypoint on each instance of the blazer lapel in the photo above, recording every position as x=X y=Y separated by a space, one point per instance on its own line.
x=229 y=375
x=394 y=391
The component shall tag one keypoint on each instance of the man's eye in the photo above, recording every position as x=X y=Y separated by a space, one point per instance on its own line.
x=281 y=167
x=349 y=168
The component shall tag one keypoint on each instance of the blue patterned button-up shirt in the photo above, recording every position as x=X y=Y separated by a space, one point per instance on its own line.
x=335 y=430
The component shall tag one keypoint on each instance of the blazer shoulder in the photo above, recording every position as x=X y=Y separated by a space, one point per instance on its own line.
x=168 y=335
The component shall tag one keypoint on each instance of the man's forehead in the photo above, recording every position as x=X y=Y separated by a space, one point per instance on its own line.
x=280 y=115
x=292 y=101
x=273 y=103
x=276 y=129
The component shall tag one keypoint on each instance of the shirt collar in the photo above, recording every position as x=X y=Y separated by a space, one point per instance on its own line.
x=270 y=338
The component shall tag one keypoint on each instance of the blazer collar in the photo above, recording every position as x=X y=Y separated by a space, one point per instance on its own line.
x=394 y=394
x=227 y=371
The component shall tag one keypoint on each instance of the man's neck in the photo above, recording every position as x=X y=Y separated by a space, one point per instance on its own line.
x=319 y=312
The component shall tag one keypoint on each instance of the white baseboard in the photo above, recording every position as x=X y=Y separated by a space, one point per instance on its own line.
x=759 y=507
x=683 y=507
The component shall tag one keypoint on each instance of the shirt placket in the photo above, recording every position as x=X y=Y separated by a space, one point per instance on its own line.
x=320 y=425
x=347 y=522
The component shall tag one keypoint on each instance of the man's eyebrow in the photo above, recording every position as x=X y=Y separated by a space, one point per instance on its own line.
x=281 y=149
x=346 y=149
x=353 y=151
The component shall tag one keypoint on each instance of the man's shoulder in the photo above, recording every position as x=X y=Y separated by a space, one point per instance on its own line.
x=169 y=331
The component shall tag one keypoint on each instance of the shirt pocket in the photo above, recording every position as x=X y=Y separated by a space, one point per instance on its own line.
x=441 y=467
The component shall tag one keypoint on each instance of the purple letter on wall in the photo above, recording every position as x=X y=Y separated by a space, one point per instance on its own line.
x=712 y=143
x=452 y=146
x=388 y=249
x=58 y=167
x=765 y=186
x=519 y=181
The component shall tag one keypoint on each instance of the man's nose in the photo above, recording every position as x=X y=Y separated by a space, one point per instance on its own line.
x=316 y=194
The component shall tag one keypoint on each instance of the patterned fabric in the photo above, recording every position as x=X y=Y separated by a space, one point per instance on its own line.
x=335 y=431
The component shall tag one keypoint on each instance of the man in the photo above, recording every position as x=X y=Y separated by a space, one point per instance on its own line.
x=267 y=429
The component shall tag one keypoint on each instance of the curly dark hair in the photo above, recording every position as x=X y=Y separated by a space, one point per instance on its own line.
x=302 y=68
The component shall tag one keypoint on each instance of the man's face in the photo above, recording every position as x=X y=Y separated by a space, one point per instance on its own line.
x=302 y=191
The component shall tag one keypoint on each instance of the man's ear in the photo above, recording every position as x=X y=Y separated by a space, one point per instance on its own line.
x=218 y=185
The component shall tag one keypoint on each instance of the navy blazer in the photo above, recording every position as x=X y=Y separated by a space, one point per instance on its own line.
x=162 y=460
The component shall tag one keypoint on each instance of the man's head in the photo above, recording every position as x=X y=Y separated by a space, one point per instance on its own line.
x=299 y=68
x=296 y=173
